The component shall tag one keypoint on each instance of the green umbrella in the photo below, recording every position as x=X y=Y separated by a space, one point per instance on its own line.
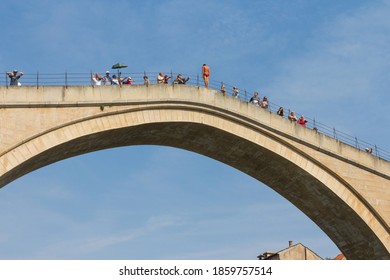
x=119 y=65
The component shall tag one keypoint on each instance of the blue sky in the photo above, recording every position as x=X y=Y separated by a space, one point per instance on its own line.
x=328 y=60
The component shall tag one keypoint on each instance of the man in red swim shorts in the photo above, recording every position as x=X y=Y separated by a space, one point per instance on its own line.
x=206 y=74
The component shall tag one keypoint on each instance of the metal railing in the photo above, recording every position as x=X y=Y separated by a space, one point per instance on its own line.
x=84 y=79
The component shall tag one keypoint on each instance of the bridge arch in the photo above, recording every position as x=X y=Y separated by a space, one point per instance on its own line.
x=330 y=200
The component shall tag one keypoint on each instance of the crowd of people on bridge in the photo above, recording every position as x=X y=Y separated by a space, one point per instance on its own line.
x=263 y=103
x=98 y=80
x=107 y=79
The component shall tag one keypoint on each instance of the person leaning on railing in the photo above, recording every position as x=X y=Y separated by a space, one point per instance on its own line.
x=160 y=78
x=302 y=121
x=223 y=90
x=292 y=117
x=255 y=99
x=146 y=81
x=280 y=111
x=264 y=103
x=127 y=81
x=180 y=80
x=235 y=92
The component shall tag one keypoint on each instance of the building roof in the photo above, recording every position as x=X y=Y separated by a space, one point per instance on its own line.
x=269 y=255
x=340 y=257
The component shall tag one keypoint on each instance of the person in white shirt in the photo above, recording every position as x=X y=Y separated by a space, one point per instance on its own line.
x=160 y=78
x=96 y=80
x=107 y=80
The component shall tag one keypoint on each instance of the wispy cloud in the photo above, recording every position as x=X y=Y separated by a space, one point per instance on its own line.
x=346 y=59
x=340 y=76
x=92 y=244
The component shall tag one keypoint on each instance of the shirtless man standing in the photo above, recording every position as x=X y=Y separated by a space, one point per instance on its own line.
x=206 y=74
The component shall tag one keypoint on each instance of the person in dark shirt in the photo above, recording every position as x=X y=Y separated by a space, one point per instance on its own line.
x=15 y=76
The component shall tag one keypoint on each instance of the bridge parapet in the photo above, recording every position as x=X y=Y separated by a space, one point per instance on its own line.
x=100 y=96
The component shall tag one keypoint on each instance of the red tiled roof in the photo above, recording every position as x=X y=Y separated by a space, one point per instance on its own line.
x=339 y=257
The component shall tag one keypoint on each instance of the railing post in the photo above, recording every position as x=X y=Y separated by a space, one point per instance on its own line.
x=6 y=80
x=37 y=79
x=356 y=143
x=147 y=84
x=334 y=133
x=197 y=80
x=376 y=151
x=315 y=126
x=66 y=79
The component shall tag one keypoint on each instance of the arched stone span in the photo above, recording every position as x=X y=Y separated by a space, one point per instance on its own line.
x=320 y=179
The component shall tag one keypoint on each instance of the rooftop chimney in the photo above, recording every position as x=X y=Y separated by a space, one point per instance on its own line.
x=290 y=243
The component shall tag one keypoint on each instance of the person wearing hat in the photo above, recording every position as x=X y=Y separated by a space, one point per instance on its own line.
x=128 y=81
x=15 y=76
x=107 y=80
x=302 y=121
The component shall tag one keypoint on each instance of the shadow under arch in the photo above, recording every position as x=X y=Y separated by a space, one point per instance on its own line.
x=343 y=225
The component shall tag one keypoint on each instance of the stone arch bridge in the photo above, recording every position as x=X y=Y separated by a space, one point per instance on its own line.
x=345 y=191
